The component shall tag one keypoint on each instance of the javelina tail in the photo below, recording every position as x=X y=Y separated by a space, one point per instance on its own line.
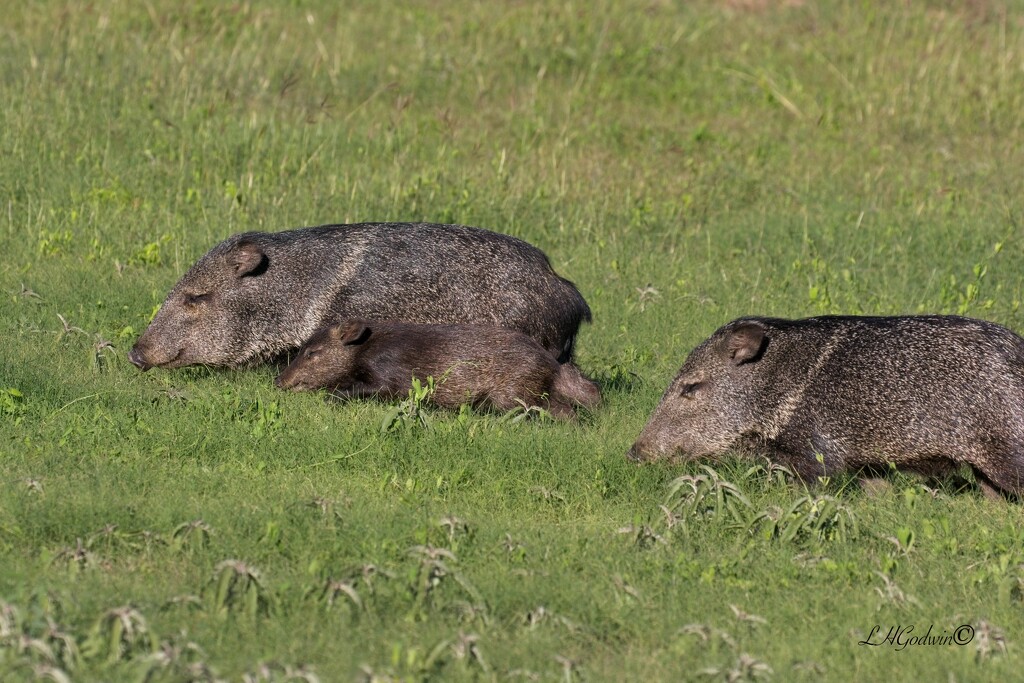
x=570 y=383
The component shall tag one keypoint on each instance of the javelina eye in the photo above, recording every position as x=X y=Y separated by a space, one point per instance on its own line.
x=309 y=353
x=689 y=390
x=193 y=299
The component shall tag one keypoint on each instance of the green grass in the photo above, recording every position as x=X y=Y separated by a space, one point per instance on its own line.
x=683 y=163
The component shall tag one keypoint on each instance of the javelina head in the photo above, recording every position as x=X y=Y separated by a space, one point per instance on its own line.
x=216 y=314
x=710 y=404
x=327 y=359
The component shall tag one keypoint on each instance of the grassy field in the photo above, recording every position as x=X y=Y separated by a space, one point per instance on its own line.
x=682 y=163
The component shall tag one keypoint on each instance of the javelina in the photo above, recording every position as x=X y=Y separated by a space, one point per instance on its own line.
x=834 y=393
x=256 y=296
x=481 y=365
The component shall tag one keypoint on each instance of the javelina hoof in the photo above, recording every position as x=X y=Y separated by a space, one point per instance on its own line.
x=990 y=492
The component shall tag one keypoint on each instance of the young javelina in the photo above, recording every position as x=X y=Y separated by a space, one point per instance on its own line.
x=480 y=365
x=257 y=296
x=830 y=394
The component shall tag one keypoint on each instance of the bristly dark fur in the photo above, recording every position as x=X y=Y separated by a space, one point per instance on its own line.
x=484 y=366
x=257 y=295
x=844 y=393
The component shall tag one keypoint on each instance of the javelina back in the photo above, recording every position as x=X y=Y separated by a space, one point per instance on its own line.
x=484 y=366
x=829 y=394
x=256 y=296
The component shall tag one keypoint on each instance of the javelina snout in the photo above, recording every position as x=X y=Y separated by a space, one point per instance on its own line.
x=640 y=452
x=137 y=358
x=707 y=407
x=832 y=394
x=326 y=356
x=634 y=454
x=481 y=365
x=211 y=316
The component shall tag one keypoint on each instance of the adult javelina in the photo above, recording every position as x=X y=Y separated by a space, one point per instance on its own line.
x=481 y=365
x=828 y=394
x=258 y=295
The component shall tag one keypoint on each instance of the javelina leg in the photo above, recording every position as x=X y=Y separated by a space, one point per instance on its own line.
x=990 y=491
x=998 y=484
x=807 y=466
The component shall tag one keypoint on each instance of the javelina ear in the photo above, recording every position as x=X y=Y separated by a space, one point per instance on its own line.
x=351 y=333
x=247 y=259
x=746 y=342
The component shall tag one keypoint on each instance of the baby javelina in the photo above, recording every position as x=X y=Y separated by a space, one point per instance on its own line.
x=831 y=394
x=484 y=366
